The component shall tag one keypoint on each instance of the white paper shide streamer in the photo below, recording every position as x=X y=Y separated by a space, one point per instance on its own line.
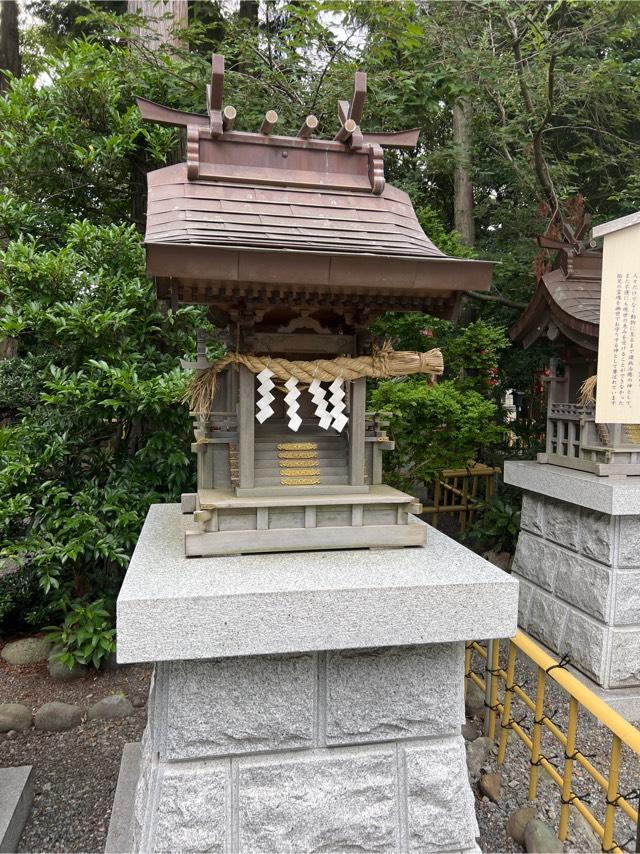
x=338 y=405
x=291 y=399
x=265 y=386
x=319 y=398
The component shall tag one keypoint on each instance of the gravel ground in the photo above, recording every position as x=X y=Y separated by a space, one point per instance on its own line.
x=594 y=740
x=75 y=772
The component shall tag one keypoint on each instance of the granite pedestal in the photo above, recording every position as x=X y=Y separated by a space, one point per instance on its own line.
x=306 y=701
x=578 y=562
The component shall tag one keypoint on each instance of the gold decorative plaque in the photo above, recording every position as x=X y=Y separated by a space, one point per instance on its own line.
x=298 y=455
x=297 y=472
x=298 y=446
x=300 y=481
x=297 y=464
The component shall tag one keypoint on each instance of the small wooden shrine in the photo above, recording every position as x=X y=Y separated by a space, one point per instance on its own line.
x=565 y=310
x=296 y=244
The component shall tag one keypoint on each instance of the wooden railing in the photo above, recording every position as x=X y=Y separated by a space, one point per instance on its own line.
x=461 y=492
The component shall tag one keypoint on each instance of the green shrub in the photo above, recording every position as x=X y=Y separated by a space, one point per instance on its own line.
x=86 y=636
x=434 y=427
x=496 y=525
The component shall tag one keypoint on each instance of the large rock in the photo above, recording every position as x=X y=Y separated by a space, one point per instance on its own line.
x=14 y=716
x=473 y=701
x=478 y=752
x=540 y=839
x=517 y=823
x=59 y=671
x=491 y=786
x=115 y=706
x=57 y=717
x=26 y=651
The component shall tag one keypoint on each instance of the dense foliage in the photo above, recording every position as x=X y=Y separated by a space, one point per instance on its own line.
x=90 y=389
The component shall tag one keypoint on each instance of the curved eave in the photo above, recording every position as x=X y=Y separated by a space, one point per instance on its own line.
x=330 y=271
x=533 y=322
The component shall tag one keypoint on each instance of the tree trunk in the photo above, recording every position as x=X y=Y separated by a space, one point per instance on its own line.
x=249 y=10
x=462 y=184
x=9 y=42
x=163 y=16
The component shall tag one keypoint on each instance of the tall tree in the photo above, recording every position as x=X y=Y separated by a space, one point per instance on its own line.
x=9 y=43
x=162 y=20
x=464 y=221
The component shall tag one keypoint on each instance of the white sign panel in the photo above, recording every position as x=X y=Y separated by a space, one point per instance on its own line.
x=618 y=389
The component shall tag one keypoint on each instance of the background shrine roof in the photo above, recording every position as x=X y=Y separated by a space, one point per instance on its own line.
x=256 y=208
x=566 y=298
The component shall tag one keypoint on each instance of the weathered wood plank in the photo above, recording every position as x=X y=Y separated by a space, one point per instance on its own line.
x=306 y=539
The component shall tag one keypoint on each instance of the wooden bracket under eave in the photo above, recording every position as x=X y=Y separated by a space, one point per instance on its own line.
x=376 y=169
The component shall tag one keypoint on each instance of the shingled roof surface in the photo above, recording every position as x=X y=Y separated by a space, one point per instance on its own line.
x=570 y=297
x=267 y=217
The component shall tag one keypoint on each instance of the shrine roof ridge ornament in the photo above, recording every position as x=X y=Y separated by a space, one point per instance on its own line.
x=218 y=126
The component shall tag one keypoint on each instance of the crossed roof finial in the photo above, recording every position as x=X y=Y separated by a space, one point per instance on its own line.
x=221 y=119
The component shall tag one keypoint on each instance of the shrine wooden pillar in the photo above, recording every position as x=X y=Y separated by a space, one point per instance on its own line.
x=357 y=404
x=246 y=428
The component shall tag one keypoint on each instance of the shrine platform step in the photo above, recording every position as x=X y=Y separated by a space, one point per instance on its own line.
x=225 y=523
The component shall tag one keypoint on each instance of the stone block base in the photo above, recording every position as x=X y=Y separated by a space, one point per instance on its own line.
x=344 y=750
x=16 y=797
x=579 y=571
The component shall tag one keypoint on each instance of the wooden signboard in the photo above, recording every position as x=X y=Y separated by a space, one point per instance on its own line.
x=618 y=388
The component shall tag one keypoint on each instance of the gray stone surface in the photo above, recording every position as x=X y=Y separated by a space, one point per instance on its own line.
x=584 y=640
x=618 y=497
x=191 y=809
x=546 y=618
x=238 y=705
x=120 y=835
x=539 y=838
x=531 y=516
x=172 y=607
x=114 y=706
x=384 y=694
x=534 y=559
x=561 y=523
x=474 y=701
x=582 y=583
x=477 y=754
x=518 y=821
x=57 y=717
x=579 y=568
x=339 y=800
x=627 y=601
x=629 y=548
x=16 y=796
x=14 y=716
x=596 y=535
x=440 y=806
x=26 y=651
x=625 y=658
x=524 y=603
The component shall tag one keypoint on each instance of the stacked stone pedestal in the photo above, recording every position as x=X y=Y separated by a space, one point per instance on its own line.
x=318 y=699
x=578 y=562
